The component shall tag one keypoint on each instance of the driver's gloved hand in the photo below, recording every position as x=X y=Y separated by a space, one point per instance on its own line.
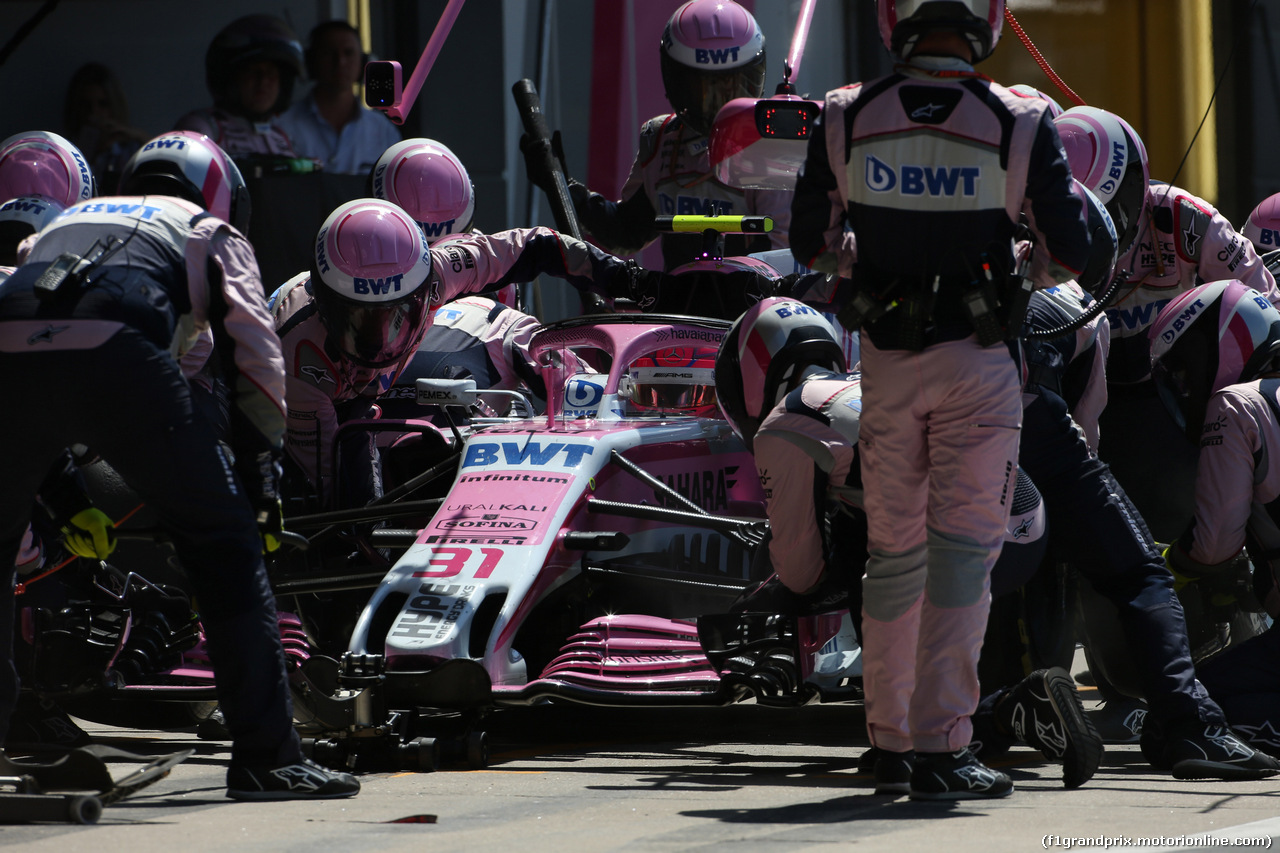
x=90 y=534
x=535 y=162
x=641 y=286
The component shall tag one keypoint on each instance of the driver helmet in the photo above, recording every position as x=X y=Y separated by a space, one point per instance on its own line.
x=677 y=379
x=764 y=350
x=44 y=164
x=249 y=39
x=903 y=22
x=429 y=182
x=712 y=52
x=371 y=281
x=1263 y=227
x=191 y=166
x=1025 y=91
x=21 y=217
x=1104 y=245
x=1107 y=156
x=1212 y=336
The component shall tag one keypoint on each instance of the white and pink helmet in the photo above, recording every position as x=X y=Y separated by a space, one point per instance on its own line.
x=1108 y=157
x=903 y=22
x=191 y=166
x=371 y=281
x=1263 y=227
x=712 y=52
x=21 y=217
x=429 y=182
x=762 y=352
x=1212 y=336
x=44 y=164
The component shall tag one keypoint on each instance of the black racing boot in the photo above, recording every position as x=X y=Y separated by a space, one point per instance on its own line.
x=1044 y=711
x=956 y=776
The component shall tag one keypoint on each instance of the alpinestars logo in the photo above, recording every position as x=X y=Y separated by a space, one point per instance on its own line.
x=977 y=777
x=45 y=335
x=1224 y=740
x=1190 y=237
x=317 y=374
x=926 y=111
x=300 y=777
x=1265 y=733
x=1023 y=530
x=1049 y=737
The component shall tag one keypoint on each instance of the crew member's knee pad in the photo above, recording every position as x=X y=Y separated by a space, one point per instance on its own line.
x=893 y=583
x=957 y=570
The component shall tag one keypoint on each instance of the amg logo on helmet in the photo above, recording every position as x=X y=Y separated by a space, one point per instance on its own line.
x=1181 y=321
x=376 y=286
x=704 y=56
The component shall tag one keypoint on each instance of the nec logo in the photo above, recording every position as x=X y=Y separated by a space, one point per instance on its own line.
x=1182 y=320
x=376 y=286
x=532 y=453
x=922 y=180
x=703 y=56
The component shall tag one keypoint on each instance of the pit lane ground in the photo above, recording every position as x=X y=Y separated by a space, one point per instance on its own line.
x=743 y=778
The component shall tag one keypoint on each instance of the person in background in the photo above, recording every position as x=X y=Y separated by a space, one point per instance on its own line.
x=250 y=68
x=712 y=51
x=95 y=116
x=330 y=124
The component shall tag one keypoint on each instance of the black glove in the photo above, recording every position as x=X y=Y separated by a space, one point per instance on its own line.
x=785 y=286
x=262 y=478
x=641 y=286
x=536 y=164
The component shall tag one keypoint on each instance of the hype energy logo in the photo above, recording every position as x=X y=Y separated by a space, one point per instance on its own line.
x=909 y=180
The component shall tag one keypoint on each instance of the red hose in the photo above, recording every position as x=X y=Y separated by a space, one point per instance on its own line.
x=1040 y=60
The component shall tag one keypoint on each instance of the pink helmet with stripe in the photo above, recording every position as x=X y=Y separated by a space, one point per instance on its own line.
x=1263 y=227
x=762 y=352
x=191 y=166
x=1108 y=157
x=428 y=182
x=903 y=22
x=1212 y=336
x=370 y=279
x=44 y=164
x=712 y=52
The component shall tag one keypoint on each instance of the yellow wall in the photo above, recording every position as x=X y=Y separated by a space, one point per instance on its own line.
x=1150 y=61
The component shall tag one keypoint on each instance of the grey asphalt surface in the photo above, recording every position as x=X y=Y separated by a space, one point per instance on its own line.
x=744 y=778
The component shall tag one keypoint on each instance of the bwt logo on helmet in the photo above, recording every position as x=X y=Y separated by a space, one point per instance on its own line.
x=707 y=56
x=922 y=180
x=1269 y=237
x=379 y=175
x=322 y=262
x=165 y=142
x=437 y=229
x=1181 y=321
x=377 y=286
x=23 y=205
x=86 y=182
x=1116 y=172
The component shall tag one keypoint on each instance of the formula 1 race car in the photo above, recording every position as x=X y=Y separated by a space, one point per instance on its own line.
x=570 y=560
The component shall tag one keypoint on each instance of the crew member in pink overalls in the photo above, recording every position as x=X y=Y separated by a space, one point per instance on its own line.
x=354 y=321
x=934 y=149
x=712 y=51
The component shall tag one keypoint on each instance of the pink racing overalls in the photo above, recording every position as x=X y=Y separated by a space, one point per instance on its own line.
x=236 y=135
x=1183 y=243
x=672 y=175
x=931 y=168
x=318 y=378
